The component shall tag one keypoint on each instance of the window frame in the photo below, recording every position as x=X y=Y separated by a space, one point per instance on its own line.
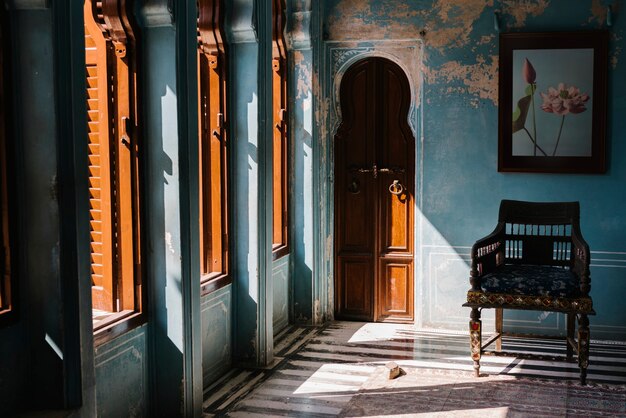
x=123 y=137
x=213 y=147
x=280 y=134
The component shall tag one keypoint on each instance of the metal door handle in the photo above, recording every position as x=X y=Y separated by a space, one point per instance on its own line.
x=396 y=187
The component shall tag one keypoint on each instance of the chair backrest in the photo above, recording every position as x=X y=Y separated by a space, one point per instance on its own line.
x=539 y=232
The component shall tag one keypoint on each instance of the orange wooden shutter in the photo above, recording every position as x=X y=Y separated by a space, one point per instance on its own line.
x=212 y=141
x=279 y=108
x=100 y=204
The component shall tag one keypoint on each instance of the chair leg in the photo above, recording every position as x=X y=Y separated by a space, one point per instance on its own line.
x=583 y=347
x=499 y=317
x=476 y=339
x=571 y=325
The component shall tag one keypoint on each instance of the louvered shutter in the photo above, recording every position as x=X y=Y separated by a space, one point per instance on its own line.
x=100 y=205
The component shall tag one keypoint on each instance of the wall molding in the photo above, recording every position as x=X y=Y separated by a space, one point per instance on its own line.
x=28 y=4
x=341 y=55
x=437 y=259
x=241 y=22
x=299 y=25
x=217 y=344
x=338 y=56
x=156 y=14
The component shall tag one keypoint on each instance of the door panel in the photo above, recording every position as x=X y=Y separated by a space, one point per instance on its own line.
x=357 y=274
x=374 y=189
x=396 y=288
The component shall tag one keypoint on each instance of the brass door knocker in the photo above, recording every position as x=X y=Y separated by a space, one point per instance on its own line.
x=396 y=188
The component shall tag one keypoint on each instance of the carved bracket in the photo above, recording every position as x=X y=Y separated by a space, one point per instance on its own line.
x=113 y=19
x=299 y=25
x=210 y=29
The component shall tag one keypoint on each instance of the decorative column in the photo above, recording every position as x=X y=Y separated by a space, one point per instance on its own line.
x=169 y=73
x=249 y=35
x=309 y=296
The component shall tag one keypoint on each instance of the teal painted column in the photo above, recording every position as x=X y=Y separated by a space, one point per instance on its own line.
x=73 y=197
x=323 y=245
x=187 y=82
x=248 y=29
x=305 y=305
x=48 y=140
x=171 y=207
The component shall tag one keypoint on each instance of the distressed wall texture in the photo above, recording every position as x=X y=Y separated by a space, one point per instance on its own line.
x=457 y=120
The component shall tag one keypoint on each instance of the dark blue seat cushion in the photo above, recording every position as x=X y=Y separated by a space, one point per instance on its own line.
x=531 y=280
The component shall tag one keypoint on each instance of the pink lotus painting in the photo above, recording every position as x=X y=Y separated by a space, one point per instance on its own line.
x=552 y=108
x=552 y=102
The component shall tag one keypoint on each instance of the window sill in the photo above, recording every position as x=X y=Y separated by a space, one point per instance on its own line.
x=116 y=325
x=279 y=252
x=210 y=283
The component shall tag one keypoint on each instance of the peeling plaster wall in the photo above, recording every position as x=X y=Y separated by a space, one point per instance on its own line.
x=457 y=120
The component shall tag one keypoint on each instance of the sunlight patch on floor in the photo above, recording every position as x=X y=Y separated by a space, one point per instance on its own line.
x=377 y=332
x=466 y=413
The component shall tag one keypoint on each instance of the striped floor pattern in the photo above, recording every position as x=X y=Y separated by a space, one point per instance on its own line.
x=318 y=371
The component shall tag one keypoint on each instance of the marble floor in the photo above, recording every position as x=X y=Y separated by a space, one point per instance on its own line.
x=340 y=370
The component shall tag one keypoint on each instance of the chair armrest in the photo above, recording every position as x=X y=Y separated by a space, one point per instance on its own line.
x=581 y=260
x=487 y=254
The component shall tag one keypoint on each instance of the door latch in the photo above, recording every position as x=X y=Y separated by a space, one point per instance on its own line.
x=375 y=170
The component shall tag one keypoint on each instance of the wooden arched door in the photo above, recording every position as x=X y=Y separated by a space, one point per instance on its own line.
x=374 y=195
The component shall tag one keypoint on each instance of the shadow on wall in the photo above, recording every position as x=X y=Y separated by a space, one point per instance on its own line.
x=302 y=180
x=162 y=216
x=244 y=200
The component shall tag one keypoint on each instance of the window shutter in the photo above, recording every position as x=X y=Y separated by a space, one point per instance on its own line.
x=100 y=205
x=280 y=134
x=212 y=141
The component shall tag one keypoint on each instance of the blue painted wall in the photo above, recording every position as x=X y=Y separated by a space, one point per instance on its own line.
x=281 y=294
x=216 y=312
x=248 y=30
x=122 y=368
x=457 y=160
x=28 y=347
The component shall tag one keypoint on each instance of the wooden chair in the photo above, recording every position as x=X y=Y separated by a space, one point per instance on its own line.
x=535 y=259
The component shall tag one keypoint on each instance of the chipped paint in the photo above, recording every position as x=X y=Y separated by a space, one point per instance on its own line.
x=447 y=23
x=303 y=75
x=453 y=22
x=617 y=50
x=355 y=19
x=614 y=58
x=168 y=243
x=317 y=312
x=479 y=80
x=487 y=39
x=598 y=12
x=521 y=10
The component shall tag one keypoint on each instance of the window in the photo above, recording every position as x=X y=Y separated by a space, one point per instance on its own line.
x=113 y=164
x=213 y=147
x=7 y=292
x=280 y=137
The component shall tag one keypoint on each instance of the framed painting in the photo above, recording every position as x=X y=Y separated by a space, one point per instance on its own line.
x=552 y=102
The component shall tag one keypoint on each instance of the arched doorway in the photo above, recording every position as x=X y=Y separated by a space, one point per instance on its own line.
x=374 y=195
